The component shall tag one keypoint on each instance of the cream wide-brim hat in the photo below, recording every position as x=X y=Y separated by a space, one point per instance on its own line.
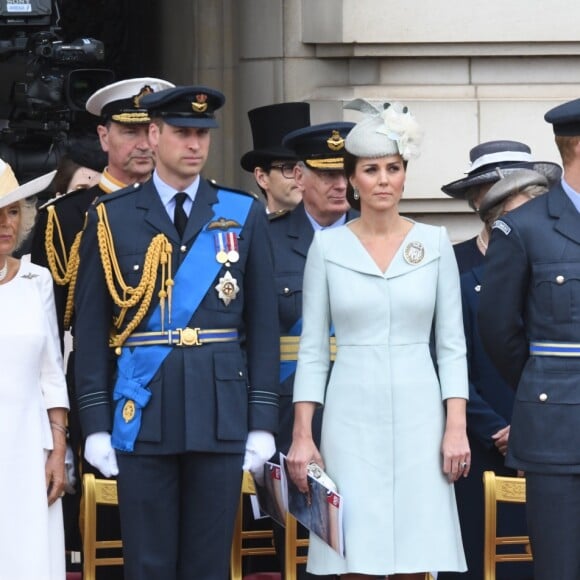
x=11 y=192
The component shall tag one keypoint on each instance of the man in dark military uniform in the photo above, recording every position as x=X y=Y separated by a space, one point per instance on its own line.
x=123 y=135
x=177 y=275
x=270 y=162
x=320 y=176
x=530 y=325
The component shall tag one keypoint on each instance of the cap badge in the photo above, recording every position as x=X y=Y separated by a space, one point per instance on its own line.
x=146 y=90
x=414 y=253
x=227 y=288
x=335 y=142
x=200 y=106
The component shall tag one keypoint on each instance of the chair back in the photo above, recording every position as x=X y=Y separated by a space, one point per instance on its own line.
x=97 y=492
x=497 y=490
x=248 y=542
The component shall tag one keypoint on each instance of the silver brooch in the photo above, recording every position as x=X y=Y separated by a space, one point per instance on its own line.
x=414 y=253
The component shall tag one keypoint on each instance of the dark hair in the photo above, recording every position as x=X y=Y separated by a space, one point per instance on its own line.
x=350 y=162
x=65 y=170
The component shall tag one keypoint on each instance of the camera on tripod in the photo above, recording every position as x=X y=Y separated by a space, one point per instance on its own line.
x=45 y=108
x=56 y=89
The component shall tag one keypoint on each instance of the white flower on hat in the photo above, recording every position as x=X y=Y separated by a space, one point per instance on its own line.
x=394 y=121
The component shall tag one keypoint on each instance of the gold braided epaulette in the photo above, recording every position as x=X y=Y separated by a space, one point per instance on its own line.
x=63 y=264
x=215 y=184
x=157 y=259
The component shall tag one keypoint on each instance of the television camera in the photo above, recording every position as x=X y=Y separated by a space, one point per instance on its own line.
x=44 y=111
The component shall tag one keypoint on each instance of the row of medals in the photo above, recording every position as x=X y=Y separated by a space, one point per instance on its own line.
x=226 y=244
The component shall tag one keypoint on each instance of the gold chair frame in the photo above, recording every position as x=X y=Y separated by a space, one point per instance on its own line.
x=501 y=489
x=96 y=492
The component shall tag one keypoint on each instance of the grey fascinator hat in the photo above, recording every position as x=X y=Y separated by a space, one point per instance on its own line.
x=390 y=130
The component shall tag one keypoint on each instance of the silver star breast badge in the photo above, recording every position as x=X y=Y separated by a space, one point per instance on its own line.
x=227 y=288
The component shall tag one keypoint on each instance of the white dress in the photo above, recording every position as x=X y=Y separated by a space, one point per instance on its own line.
x=31 y=381
x=383 y=416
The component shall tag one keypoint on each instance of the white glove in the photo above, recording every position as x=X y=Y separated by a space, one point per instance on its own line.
x=100 y=453
x=260 y=446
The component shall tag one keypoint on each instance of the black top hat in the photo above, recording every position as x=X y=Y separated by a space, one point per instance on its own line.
x=269 y=126
x=185 y=106
x=509 y=156
x=565 y=119
x=320 y=146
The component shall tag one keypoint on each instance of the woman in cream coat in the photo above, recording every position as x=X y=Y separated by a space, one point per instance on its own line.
x=393 y=434
x=33 y=401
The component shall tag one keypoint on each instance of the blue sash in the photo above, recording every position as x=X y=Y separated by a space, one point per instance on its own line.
x=137 y=366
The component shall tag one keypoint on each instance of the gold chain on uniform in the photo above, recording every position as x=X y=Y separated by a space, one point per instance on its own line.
x=63 y=269
x=158 y=257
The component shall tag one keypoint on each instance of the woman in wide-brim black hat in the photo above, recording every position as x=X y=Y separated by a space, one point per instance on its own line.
x=485 y=159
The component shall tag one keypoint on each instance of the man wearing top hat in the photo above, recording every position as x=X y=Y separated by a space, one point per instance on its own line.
x=270 y=162
x=485 y=160
x=530 y=325
x=319 y=174
x=176 y=276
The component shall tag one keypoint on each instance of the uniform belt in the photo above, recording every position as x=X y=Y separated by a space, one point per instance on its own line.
x=545 y=348
x=183 y=337
x=289 y=347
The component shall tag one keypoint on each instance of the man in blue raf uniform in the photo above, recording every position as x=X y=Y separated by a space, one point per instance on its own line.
x=177 y=274
x=320 y=176
x=530 y=325
x=123 y=147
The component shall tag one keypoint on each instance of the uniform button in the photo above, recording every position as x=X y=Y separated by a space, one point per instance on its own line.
x=286 y=290
x=241 y=373
x=135 y=267
x=183 y=249
x=478 y=288
x=543 y=397
x=560 y=279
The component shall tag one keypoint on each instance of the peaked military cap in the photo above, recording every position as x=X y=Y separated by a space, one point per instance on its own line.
x=186 y=106
x=320 y=146
x=122 y=101
x=270 y=124
x=565 y=119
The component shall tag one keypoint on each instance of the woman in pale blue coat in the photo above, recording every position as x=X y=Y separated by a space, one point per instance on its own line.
x=393 y=435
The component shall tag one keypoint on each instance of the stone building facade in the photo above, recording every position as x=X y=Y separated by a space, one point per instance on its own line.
x=470 y=72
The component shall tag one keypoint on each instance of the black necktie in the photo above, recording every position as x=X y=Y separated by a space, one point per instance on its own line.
x=180 y=217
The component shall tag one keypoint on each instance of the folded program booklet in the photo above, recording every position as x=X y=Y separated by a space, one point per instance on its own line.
x=270 y=493
x=319 y=510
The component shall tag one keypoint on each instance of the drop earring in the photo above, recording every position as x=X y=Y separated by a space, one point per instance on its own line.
x=355 y=193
